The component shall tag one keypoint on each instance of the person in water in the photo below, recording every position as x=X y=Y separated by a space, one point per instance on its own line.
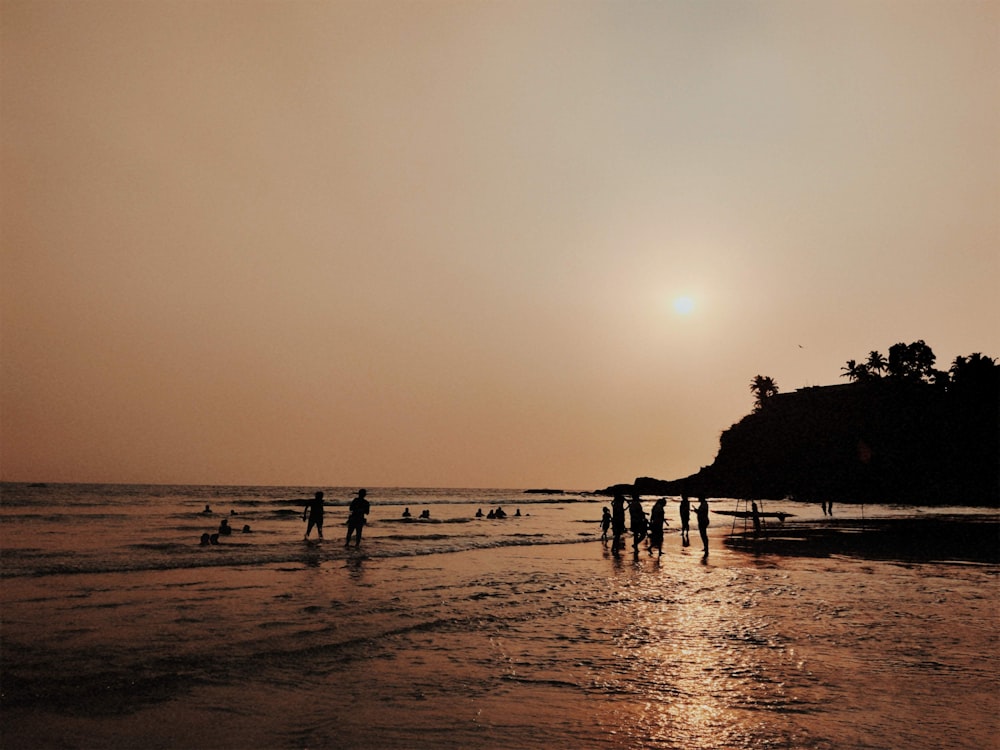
x=617 y=522
x=224 y=528
x=656 y=521
x=425 y=513
x=314 y=513
x=479 y=512
x=637 y=522
x=356 y=520
x=605 y=524
x=207 y=511
x=406 y=513
x=702 y=513
x=685 y=511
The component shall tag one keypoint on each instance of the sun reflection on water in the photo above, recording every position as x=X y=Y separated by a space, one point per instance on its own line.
x=703 y=662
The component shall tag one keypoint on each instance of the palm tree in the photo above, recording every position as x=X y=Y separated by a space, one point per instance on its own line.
x=876 y=364
x=762 y=388
x=855 y=371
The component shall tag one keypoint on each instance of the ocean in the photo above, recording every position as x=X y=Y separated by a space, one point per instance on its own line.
x=120 y=630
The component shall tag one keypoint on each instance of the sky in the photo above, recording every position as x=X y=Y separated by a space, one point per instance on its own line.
x=442 y=244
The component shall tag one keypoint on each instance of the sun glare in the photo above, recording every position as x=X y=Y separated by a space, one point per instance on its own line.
x=684 y=305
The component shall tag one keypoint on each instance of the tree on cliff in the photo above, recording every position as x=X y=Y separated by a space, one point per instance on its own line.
x=876 y=363
x=762 y=389
x=912 y=362
x=855 y=371
x=973 y=373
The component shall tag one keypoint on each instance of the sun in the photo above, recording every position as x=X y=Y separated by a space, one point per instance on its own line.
x=684 y=305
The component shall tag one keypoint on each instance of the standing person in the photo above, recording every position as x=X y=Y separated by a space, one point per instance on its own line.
x=617 y=522
x=637 y=521
x=702 y=513
x=356 y=520
x=755 y=513
x=314 y=512
x=656 y=521
x=685 y=521
x=605 y=524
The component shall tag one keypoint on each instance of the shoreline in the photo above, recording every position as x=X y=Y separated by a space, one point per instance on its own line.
x=913 y=539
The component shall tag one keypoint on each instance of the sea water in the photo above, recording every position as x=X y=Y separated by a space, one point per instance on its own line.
x=121 y=630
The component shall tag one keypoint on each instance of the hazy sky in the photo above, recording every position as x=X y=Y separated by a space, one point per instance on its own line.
x=439 y=243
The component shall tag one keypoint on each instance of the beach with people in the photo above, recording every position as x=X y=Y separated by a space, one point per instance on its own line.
x=565 y=375
x=468 y=632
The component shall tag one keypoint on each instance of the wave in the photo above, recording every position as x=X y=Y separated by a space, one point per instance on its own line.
x=172 y=556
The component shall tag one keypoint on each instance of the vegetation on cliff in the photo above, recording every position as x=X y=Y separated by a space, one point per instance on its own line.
x=900 y=431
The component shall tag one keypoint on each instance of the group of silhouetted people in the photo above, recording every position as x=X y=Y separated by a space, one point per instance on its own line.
x=356 y=517
x=651 y=527
x=643 y=528
x=224 y=528
x=497 y=512
x=313 y=513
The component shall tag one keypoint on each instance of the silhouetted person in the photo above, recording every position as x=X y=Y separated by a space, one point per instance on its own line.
x=685 y=511
x=605 y=524
x=637 y=522
x=517 y=513
x=246 y=528
x=656 y=520
x=224 y=528
x=491 y=514
x=425 y=513
x=617 y=522
x=406 y=513
x=479 y=512
x=702 y=513
x=314 y=512
x=205 y=540
x=356 y=520
x=501 y=513
x=207 y=511
x=214 y=539
x=756 y=518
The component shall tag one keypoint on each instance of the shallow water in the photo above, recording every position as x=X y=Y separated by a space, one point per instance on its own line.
x=471 y=634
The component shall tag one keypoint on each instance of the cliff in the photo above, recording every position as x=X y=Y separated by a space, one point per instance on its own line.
x=884 y=440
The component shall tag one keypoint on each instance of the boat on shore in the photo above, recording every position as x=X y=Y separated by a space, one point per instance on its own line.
x=749 y=514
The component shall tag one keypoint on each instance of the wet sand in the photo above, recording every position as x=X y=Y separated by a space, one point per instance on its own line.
x=932 y=538
x=818 y=639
